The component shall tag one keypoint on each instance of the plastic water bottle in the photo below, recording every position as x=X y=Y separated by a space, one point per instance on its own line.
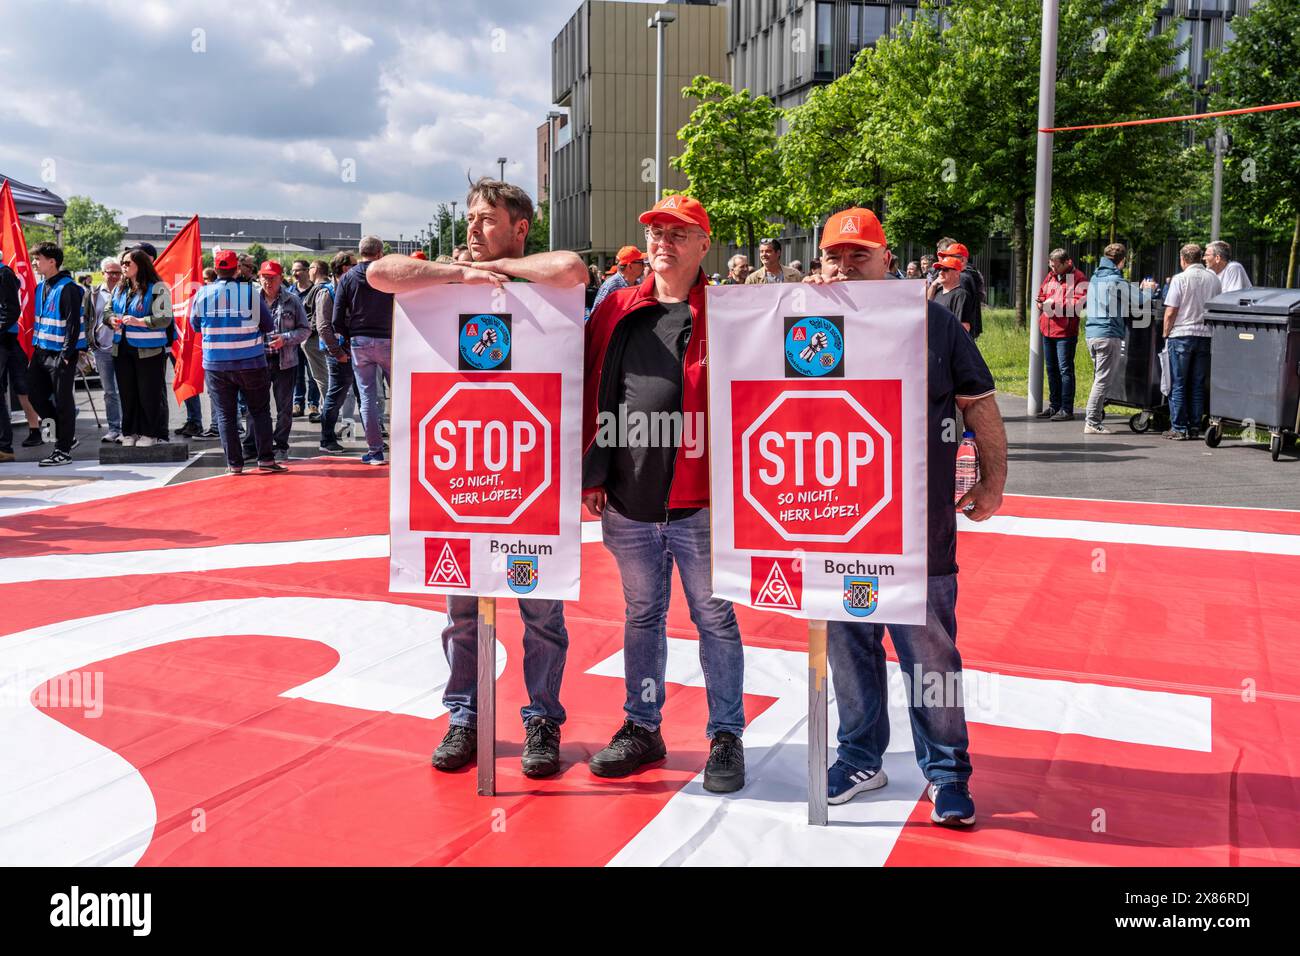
x=968 y=465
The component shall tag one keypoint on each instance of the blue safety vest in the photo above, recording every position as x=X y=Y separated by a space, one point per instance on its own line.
x=140 y=307
x=51 y=329
x=320 y=340
x=229 y=322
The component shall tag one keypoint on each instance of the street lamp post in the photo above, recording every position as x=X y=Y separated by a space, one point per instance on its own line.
x=552 y=119
x=659 y=22
x=1042 y=192
x=453 y=229
x=501 y=161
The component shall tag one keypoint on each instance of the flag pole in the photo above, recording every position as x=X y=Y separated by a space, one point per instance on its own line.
x=817 y=815
x=487 y=696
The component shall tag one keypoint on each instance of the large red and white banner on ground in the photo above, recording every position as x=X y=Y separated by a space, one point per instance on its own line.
x=486 y=441
x=817 y=399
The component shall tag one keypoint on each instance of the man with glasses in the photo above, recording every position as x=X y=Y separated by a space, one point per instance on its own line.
x=629 y=266
x=100 y=342
x=853 y=244
x=646 y=354
x=312 y=375
x=769 y=251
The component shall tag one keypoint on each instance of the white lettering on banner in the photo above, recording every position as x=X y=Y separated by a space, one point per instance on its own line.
x=495 y=447
x=828 y=453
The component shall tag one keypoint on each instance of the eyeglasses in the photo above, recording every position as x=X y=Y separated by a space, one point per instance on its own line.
x=671 y=237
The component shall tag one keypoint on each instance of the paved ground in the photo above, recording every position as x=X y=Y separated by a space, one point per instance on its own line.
x=1046 y=458
x=1057 y=458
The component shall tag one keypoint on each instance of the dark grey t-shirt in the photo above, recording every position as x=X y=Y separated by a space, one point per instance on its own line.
x=650 y=382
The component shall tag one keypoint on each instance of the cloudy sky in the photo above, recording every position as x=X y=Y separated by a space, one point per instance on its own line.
x=256 y=108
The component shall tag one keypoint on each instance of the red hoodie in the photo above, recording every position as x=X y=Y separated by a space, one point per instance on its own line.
x=1062 y=299
x=690 y=485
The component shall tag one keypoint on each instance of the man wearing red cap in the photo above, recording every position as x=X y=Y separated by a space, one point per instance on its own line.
x=853 y=244
x=953 y=294
x=628 y=268
x=498 y=219
x=290 y=330
x=234 y=324
x=646 y=354
x=972 y=280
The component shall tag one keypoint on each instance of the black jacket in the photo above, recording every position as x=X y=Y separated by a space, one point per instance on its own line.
x=10 y=306
x=359 y=309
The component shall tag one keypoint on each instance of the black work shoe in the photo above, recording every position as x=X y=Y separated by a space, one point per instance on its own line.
x=270 y=467
x=33 y=438
x=1062 y=416
x=1046 y=413
x=541 y=747
x=630 y=748
x=333 y=447
x=457 y=748
x=725 y=771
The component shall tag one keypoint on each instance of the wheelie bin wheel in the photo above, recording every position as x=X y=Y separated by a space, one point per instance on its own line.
x=1214 y=434
x=1140 y=422
x=1275 y=446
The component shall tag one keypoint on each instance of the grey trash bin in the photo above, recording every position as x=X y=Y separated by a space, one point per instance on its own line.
x=1255 y=348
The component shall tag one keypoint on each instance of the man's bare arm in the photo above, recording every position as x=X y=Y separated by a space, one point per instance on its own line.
x=548 y=268
x=1171 y=316
x=981 y=416
x=398 y=273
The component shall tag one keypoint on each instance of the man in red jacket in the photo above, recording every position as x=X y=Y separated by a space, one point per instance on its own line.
x=1061 y=297
x=646 y=474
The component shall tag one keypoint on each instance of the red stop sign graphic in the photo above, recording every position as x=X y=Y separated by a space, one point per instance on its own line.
x=485 y=451
x=818 y=465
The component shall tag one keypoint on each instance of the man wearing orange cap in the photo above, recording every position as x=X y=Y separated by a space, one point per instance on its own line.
x=953 y=295
x=972 y=280
x=853 y=244
x=645 y=360
x=627 y=270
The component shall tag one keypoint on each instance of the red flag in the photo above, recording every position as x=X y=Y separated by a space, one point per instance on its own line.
x=181 y=267
x=14 y=246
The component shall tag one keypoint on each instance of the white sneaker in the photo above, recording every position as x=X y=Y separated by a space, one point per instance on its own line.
x=129 y=440
x=144 y=441
x=113 y=435
x=1095 y=429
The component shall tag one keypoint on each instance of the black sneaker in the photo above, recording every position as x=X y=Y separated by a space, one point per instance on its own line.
x=1046 y=413
x=1062 y=416
x=541 y=747
x=725 y=771
x=33 y=438
x=333 y=447
x=270 y=467
x=313 y=417
x=56 y=458
x=457 y=748
x=209 y=432
x=630 y=748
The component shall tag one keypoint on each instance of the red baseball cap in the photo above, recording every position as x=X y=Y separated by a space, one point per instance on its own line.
x=856 y=227
x=957 y=249
x=419 y=254
x=949 y=262
x=271 y=268
x=685 y=209
x=628 y=255
x=225 y=259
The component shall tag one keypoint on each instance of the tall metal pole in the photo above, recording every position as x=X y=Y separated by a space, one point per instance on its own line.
x=553 y=119
x=1216 y=208
x=453 y=229
x=1043 y=192
x=501 y=161
x=659 y=23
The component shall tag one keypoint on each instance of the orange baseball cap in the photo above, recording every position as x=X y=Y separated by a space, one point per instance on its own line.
x=685 y=209
x=419 y=254
x=949 y=262
x=628 y=255
x=957 y=249
x=271 y=268
x=856 y=226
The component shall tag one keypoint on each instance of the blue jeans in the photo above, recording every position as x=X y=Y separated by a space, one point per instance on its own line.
x=645 y=552
x=225 y=389
x=1058 y=358
x=369 y=356
x=108 y=381
x=194 y=411
x=336 y=394
x=1189 y=367
x=546 y=646
x=857 y=659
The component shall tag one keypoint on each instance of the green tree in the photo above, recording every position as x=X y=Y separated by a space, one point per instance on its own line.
x=1262 y=170
x=90 y=232
x=730 y=160
x=258 y=252
x=539 y=230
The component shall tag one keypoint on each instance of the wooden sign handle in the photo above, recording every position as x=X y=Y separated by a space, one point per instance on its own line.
x=487 y=696
x=817 y=719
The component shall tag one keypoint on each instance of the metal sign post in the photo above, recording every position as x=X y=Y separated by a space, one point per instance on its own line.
x=487 y=696
x=817 y=723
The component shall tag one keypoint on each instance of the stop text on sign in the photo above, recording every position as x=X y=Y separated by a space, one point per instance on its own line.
x=816 y=465
x=484 y=452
